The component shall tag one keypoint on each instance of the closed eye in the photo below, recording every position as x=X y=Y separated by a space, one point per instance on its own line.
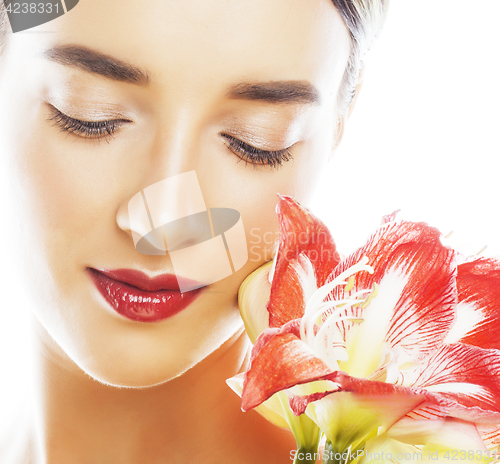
x=256 y=156
x=86 y=129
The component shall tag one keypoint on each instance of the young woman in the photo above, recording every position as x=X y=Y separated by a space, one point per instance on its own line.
x=98 y=105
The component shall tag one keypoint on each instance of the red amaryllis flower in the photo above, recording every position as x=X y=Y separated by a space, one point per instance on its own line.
x=395 y=347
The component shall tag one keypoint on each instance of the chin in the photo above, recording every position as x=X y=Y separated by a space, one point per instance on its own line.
x=126 y=373
x=124 y=362
x=126 y=354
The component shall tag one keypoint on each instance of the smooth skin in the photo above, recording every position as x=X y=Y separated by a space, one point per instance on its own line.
x=70 y=194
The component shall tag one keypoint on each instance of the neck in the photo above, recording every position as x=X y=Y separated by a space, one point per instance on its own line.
x=195 y=416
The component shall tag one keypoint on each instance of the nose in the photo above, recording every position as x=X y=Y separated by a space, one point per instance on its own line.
x=169 y=215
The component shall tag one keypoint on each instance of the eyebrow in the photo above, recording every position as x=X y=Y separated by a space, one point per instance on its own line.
x=96 y=62
x=276 y=92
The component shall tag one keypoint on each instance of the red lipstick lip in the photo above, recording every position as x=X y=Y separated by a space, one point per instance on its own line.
x=150 y=284
x=138 y=297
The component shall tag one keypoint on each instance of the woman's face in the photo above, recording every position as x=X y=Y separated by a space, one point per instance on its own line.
x=209 y=81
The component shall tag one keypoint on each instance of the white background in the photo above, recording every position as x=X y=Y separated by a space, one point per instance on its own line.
x=424 y=135
x=423 y=138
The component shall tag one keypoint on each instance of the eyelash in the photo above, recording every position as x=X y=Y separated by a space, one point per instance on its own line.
x=105 y=129
x=87 y=129
x=254 y=155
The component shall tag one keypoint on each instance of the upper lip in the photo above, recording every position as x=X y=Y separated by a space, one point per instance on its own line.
x=140 y=280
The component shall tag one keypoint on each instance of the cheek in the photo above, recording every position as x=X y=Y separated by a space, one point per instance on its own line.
x=58 y=194
x=253 y=191
x=63 y=206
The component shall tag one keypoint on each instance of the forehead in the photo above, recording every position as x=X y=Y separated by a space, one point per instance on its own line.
x=204 y=44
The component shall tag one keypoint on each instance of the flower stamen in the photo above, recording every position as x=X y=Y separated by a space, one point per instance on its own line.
x=316 y=327
x=373 y=294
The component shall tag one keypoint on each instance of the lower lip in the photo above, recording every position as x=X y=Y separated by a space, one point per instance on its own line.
x=139 y=305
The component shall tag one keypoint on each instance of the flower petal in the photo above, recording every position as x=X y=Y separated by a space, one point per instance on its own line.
x=253 y=297
x=378 y=448
x=429 y=411
x=279 y=360
x=301 y=233
x=270 y=409
x=364 y=388
x=298 y=404
x=347 y=418
x=416 y=277
x=467 y=380
x=390 y=217
x=449 y=433
x=411 y=441
x=478 y=284
x=459 y=380
x=490 y=434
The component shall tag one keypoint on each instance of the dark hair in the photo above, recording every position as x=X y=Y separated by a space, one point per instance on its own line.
x=363 y=18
